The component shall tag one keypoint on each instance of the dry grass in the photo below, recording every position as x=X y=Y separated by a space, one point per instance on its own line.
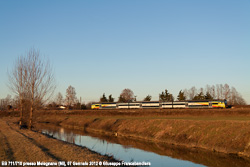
x=222 y=130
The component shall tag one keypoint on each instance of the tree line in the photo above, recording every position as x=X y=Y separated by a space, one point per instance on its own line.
x=33 y=83
x=214 y=92
x=210 y=92
x=70 y=101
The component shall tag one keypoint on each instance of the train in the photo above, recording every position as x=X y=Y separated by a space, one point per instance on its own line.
x=161 y=104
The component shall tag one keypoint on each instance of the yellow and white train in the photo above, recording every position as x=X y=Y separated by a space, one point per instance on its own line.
x=157 y=104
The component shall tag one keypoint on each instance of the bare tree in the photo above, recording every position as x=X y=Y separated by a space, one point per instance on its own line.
x=192 y=92
x=6 y=102
x=18 y=79
x=40 y=81
x=59 y=99
x=213 y=93
x=127 y=95
x=236 y=98
x=70 y=96
x=226 y=91
x=185 y=92
x=33 y=81
x=219 y=90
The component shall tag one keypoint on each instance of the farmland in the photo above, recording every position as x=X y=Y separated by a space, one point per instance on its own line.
x=221 y=130
x=217 y=130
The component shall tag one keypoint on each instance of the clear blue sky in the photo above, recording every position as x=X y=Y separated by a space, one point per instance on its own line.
x=145 y=45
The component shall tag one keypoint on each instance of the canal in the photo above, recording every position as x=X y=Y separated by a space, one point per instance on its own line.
x=129 y=150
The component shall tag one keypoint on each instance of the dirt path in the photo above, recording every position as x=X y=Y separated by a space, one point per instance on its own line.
x=28 y=146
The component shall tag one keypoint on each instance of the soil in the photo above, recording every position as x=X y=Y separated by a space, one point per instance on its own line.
x=30 y=146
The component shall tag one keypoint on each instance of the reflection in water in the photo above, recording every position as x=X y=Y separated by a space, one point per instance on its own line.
x=157 y=154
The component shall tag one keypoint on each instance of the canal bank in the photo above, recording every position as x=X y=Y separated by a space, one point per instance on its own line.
x=217 y=133
x=157 y=154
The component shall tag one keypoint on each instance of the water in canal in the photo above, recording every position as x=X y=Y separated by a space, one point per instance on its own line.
x=157 y=154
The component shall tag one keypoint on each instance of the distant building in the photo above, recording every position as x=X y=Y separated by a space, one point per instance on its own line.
x=62 y=107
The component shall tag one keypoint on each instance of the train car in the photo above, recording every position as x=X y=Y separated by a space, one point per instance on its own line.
x=175 y=104
x=108 y=106
x=198 y=104
x=132 y=105
x=150 y=104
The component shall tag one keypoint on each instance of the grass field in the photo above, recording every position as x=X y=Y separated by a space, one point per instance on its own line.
x=222 y=130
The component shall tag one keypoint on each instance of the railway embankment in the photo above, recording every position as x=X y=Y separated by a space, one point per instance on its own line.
x=226 y=131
